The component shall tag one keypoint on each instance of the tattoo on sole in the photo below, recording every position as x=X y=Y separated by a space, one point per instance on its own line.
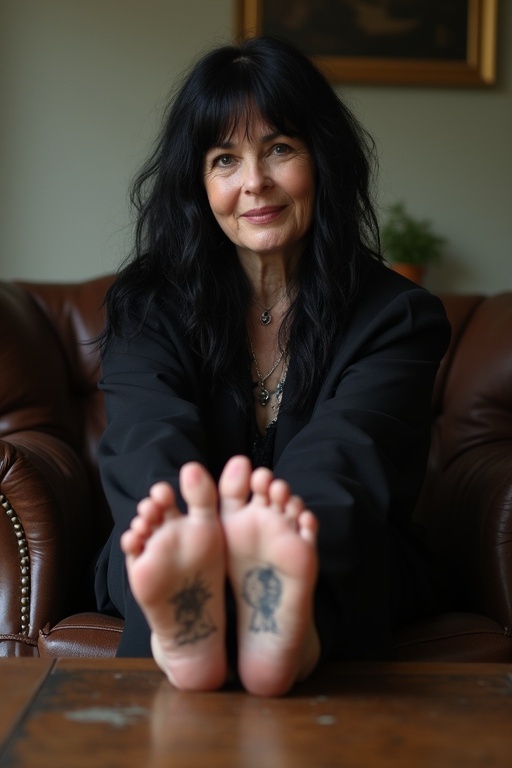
x=190 y=614
x=262 y=589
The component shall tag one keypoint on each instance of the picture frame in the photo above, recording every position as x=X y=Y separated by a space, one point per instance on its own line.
x=454 y=50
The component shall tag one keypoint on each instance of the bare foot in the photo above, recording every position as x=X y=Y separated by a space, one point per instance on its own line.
x=272 y=566
x=176 y=569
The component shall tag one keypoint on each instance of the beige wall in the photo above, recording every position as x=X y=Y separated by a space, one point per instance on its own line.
x=82 y=87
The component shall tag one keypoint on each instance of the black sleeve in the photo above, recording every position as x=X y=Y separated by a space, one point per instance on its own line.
x=359 y=464
x=154 y=426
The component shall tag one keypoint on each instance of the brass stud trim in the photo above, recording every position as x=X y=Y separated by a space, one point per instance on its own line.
x=24 y=561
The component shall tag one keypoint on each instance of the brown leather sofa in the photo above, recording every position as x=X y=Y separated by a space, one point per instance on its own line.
x=53 y=516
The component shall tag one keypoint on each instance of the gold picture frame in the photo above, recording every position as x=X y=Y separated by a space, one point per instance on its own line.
x=472 y=63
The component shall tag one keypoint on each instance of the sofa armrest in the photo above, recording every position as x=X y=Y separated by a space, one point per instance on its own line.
x=450 y=637
x=84 y=635
x=470 y=528
x=44 y=534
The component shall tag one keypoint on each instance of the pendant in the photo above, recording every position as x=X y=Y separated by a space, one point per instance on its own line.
x=265 y=317
x=263 y=396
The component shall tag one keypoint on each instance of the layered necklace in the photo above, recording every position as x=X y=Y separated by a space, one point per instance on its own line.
x=264 y=395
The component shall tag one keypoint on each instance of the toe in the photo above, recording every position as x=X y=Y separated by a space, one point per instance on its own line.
x=308 y=526
x=293 y=508
x=279 y=494
x=261 y=481
x=163 y=495
x=235 y=484
x=198 y=490
x=131 y=543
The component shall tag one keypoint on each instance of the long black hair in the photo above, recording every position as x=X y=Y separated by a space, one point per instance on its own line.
x=184 y=261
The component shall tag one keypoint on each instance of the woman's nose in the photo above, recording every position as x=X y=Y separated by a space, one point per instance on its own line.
x=256 y=177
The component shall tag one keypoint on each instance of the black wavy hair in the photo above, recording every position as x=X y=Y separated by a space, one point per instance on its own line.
x=183 y=260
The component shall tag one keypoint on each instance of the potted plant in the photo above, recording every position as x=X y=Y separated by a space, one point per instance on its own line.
x=409 y=244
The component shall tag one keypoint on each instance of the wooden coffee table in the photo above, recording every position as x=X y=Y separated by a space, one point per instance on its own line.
x=106 y=713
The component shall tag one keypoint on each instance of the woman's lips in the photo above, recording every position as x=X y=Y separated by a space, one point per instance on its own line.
x=263 y=215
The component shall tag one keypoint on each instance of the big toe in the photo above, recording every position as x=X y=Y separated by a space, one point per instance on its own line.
x=235 y=484
x=198 y=490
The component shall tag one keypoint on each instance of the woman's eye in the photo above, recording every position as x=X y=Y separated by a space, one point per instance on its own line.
x=223 y=161
x=281 y=149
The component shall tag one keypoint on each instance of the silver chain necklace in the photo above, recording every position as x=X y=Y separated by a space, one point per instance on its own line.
x=266 y=317
x=264 y=395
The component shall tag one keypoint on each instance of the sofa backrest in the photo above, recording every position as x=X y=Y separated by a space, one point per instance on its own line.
x=50 y=369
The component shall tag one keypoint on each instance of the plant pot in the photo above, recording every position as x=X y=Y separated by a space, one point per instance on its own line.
x=414 y=272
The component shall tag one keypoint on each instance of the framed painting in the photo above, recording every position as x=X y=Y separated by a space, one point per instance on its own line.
x=401 y=42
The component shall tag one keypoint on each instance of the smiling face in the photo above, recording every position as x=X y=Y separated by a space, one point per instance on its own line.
x=261 y=189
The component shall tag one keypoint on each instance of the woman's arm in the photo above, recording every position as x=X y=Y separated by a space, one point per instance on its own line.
x=154 y=426
x=359 y=462
x=154 y=423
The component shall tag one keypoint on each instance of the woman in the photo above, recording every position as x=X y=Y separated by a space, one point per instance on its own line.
x=266 y=374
